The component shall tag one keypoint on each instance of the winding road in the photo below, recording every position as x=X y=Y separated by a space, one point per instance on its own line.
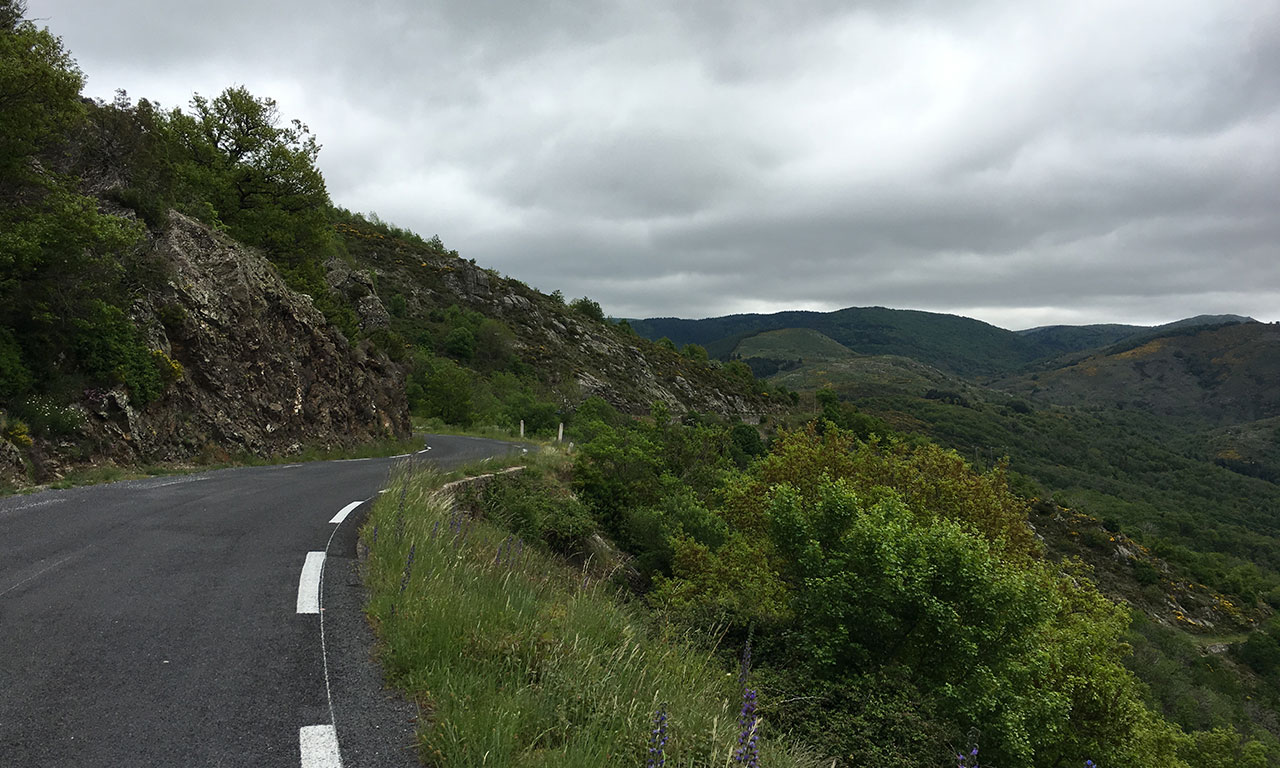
x=211 y=619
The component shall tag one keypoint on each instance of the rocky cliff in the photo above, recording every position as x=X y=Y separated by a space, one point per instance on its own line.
x=252 y=367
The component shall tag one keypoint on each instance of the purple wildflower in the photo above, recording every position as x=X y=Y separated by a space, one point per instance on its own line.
x=504 y=547
x=408 y=567
x=748 y=751
x=968 y=761
x=658 y=740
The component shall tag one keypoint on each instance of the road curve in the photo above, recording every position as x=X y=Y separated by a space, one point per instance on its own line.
x=156 y=622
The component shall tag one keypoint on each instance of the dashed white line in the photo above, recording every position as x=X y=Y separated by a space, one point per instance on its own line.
x=401 y=456
x=366 y=458
x=342 y=513
x=309 y=583
x=319 y=746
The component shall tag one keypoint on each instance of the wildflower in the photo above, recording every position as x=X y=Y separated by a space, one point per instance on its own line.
x=658 y=740
x=408 y=567
x=748 y=751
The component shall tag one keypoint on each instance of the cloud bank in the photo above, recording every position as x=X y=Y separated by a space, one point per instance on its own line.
x=1023 y=163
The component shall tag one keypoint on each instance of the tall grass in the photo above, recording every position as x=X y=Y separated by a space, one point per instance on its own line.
x=516 y=659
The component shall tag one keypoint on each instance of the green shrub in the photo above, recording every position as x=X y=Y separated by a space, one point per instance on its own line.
x=694 y=352
x=109 y=351
x=460 y=343
x=15 y=379
x=538 y=509
x=46 y=417
x=17 y=433
x=587 y=308
x=171 y=370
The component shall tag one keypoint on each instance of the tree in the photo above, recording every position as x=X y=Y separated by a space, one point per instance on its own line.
x=258 y=176
x=39 y=93
x=59 y=255
x=587 y=308
x=694 y=352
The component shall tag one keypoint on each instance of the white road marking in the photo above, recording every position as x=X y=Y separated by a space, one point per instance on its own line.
x=309 y=583
x=401 y=456
x=366 y=458
x=319 y=746
x=342 y=514
x=43 y=570
x=165 y=483
x=384 y=490
x=23 y=507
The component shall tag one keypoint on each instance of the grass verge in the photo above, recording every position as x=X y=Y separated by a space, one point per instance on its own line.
x=516 y=659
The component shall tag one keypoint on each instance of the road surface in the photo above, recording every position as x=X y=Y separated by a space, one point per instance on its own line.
x=174 y=621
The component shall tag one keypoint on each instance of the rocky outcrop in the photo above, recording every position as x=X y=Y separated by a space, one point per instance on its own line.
x=258 y=369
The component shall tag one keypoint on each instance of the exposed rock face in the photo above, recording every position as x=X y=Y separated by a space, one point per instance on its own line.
x=262 y=371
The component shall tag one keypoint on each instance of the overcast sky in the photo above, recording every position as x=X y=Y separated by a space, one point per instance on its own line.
x=1020 y=162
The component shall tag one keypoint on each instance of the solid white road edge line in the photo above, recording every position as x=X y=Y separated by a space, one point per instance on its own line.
x=309 y=583
x=319 y=746
x=342 y=514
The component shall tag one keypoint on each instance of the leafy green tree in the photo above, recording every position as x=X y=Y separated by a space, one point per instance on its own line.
x=694 y=352
x=587 y=308
x=39 y=94
x=59 y=255
x=460 y=343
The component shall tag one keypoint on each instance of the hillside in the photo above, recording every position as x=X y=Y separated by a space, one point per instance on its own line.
x=1212 y=376
x=509 y=335
x=956 y=344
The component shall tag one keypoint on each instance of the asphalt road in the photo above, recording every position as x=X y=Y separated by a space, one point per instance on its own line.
x=156 y=622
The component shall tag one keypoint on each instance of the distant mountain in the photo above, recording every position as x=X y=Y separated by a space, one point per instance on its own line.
x=1206 y=320
x=1077 y=338
x=1221 y=374
x=952 y=343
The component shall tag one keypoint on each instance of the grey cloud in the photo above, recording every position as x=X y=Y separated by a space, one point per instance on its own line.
x=1030 y=162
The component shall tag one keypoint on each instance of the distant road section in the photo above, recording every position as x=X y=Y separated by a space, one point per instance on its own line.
x=161 y=622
